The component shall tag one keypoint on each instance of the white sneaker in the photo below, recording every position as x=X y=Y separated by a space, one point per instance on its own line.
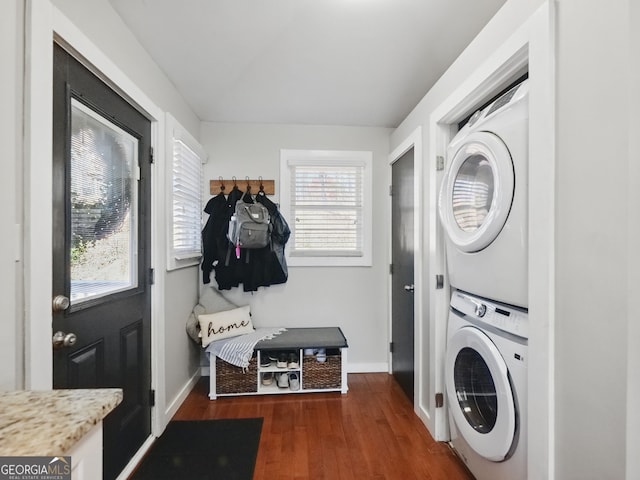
x=283 y=380
x=293 y=361
x=294 y=381
x=282 y=360
x=321 y=356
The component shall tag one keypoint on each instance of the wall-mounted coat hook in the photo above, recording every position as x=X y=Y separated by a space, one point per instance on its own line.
x=266 y=186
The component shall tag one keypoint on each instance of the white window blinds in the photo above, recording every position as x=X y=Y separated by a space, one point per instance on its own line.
x=185 y=175
x=327 y=208
x=326 y=198
x=187 y=202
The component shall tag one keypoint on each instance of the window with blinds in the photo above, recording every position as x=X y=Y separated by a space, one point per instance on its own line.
x=326 y=195
x=185 y=238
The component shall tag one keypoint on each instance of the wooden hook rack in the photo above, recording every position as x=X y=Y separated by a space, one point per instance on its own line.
x=269 y=186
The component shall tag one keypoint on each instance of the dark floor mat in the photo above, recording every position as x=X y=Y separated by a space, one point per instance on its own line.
x=224 y=449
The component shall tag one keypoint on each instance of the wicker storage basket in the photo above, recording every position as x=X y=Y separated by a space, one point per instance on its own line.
x=322 y=375
x=232 y=379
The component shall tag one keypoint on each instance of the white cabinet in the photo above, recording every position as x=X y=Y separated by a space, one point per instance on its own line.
x=86 y=455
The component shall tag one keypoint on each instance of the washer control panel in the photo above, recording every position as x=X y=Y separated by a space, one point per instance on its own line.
x=505 y=318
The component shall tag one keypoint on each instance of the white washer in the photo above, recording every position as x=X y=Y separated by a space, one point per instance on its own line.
x=486 y=385
x=483 y=201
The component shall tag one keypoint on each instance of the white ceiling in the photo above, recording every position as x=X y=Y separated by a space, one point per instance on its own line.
x=320 y=62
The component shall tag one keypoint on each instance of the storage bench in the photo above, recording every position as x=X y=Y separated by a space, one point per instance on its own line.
x=314 y=375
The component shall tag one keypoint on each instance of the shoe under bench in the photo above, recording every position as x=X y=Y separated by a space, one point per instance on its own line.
x=329 y=375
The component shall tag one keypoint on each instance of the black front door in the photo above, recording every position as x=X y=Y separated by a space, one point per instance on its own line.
x=402 y=283
x=101 y=254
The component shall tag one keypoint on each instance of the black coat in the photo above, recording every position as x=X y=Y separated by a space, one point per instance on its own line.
x=276 y=267
x=229 y=271
x=255 y=268
x=213 y=250
x=215 y=245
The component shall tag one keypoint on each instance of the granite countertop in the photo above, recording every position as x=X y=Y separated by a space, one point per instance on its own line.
x=51 y=422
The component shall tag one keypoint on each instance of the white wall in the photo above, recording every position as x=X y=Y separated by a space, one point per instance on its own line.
x=354 y=298
x=591 y=244
x=182 y=357
x=11 y=78
x=633 y=335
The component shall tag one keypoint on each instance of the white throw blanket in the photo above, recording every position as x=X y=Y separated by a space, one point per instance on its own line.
x=238 y=350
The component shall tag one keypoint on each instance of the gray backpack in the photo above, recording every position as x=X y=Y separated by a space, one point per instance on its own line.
x=249 y=226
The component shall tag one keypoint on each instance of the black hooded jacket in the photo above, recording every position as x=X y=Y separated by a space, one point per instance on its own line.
x=276 y=265
x=215 y=244
x=255 y=268
x=212 y=247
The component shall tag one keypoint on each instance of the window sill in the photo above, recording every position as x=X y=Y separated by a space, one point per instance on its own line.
x=329 y=261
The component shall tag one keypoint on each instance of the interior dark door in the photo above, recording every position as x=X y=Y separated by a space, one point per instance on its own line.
x=101 y=254
x=402 y=286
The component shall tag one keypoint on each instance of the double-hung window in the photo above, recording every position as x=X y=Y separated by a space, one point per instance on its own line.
x=185 y=185
x=326 y=199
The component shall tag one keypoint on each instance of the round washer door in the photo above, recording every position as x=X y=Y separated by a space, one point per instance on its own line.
x=479 y=392
x=477 y=192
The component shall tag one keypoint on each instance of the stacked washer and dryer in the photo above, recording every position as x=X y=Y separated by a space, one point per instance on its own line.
x=483 y=209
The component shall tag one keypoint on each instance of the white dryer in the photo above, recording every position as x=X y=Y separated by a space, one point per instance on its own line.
x=486 y=385
x=483 y=201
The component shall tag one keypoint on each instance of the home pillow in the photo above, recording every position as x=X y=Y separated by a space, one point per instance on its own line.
x=231 y=323
x=210 y=301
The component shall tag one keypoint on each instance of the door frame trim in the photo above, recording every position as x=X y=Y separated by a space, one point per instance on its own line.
x=532 y=45
x=413 y=140
x=44 y=23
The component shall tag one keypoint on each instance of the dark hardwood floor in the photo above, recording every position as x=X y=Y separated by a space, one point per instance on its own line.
x=369 y=433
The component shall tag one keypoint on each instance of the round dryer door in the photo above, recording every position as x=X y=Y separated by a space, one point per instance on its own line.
x=477 y=192
x=479 y=392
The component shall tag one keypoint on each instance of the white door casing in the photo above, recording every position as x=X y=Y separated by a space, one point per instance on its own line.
x=44 y=22
x=530 y=47
x=414 y=140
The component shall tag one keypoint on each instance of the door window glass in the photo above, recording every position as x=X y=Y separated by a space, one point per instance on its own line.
x=472 y=193
x=103 y=202
x=475 y=390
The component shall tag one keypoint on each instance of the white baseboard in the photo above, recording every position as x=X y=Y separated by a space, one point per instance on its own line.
x=133 y=463
x=423 y=415
x=172 y=408
x=368 y=367
x=168 y=414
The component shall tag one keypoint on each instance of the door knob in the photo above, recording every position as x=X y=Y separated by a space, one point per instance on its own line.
x=409 y=288
x=62 y=340
x=60 y=303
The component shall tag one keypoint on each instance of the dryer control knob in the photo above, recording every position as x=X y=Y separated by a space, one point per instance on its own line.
x=481 y=309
